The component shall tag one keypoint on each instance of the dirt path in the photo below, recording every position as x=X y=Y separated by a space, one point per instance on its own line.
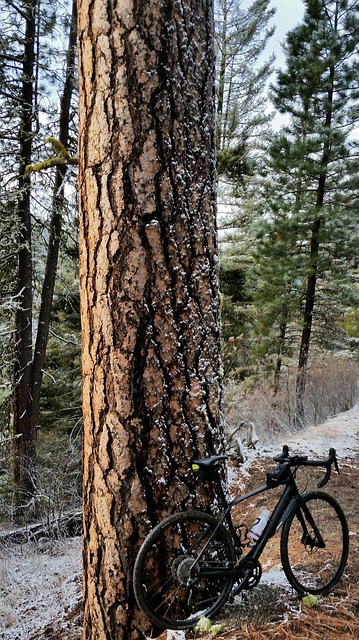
x=40 y=583
x=340 y=432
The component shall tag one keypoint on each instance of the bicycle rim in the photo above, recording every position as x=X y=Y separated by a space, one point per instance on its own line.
x=315 y=544
x=168 y=583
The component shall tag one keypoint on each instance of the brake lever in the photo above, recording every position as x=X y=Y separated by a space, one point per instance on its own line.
x=283 y=457
x=326 y=477
x=332 y=453
x=331 y=460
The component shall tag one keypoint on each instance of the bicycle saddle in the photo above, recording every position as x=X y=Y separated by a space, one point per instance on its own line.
x=207 y=463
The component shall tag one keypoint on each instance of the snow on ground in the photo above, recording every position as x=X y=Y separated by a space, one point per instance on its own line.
x=40 y=581
x=340 y=432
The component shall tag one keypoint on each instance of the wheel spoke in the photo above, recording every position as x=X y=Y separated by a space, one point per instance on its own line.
x=169 y=584
x=314 y=545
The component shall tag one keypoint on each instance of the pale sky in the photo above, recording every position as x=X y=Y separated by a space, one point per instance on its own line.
x=289 y=14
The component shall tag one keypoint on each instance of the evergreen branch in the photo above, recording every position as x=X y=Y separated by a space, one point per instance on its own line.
x=10 y=58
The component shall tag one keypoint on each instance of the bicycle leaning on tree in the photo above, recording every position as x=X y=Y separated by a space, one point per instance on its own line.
x=192 y=562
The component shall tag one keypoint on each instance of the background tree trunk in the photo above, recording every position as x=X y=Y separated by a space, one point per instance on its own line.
x=310 y=293
x=149 y=283
x=25 y=434
x=55 y=229
x=29 y=365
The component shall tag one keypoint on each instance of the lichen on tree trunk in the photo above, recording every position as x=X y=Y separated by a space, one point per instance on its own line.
x=149 y=283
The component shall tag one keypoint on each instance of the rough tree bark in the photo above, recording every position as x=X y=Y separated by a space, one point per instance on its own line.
x=149 y=282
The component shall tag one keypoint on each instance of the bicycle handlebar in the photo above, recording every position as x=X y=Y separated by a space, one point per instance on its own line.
x=298 y=461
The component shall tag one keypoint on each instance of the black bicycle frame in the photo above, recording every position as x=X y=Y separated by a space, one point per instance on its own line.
x=286 y=504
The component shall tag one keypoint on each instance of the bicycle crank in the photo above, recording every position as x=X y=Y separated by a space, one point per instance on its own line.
x=249 y=572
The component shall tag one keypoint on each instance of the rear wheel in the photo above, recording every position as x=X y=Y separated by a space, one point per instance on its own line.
x=184 y=570
x=315 y=544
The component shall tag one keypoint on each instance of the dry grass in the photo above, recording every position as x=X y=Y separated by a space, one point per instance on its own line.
x=332 y=387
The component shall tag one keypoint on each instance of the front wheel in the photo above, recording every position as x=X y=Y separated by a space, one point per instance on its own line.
x=184 y=570
x=314 y=544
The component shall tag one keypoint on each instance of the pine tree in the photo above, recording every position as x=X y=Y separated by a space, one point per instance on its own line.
x=148 y=283
x=24 y=430
x=242 y=33
x=313 y=161
x=241 y=37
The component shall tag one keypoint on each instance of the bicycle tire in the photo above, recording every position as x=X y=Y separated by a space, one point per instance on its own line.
x=166 y=580
x=309 y=567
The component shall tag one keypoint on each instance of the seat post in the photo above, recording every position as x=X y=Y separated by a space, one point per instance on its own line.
x=215 y=477
x=210 y=468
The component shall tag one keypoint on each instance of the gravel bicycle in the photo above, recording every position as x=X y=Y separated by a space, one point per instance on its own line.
x=192 y=562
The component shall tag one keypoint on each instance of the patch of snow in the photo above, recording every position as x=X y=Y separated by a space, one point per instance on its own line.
x=244 y=467
x=275 y=577
x=39 y=582
x=340 y=432
x=175 y=635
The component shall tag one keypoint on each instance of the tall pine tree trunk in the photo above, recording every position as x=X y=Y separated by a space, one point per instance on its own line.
x=314 y=257
x=29 y=366
x=307 y=324
x=223 y=63
x=279 y=346
x=149 y=283
x=24 y=433
x=55 y=230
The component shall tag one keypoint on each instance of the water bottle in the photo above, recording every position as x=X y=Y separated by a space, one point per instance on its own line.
x=259 y=525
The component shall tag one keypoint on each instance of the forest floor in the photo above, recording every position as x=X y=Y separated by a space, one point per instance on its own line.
x=40 y=581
